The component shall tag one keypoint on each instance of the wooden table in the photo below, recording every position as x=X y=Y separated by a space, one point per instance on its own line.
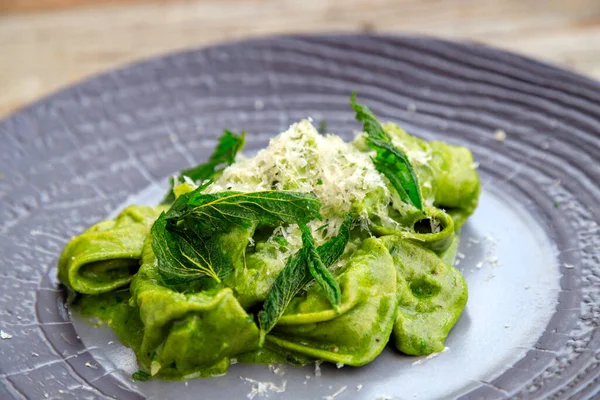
x=47 y=44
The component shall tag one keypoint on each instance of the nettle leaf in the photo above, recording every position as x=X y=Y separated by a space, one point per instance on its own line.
x=141 y=376
x=371 y=125
x=389 y=160
x=229 y=145
x=216 y=212
x=318 y=270
x=333 y=249
x=186 y=238
x=296 y=274
x=393 y=163
x=183 y=255
x=290 y=281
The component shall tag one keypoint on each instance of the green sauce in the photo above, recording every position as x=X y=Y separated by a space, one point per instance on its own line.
x=112 y=309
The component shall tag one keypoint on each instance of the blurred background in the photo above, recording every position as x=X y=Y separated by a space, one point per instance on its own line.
x=48 y=44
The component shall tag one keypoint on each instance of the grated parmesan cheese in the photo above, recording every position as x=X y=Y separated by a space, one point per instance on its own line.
x=318 y=367
x=189 y=181
x=277 y=369
x=340 y=174
x=336 y=394
x=154 y=367
x=90 y=365
x=261 y=389
x=430 y=356
x=5 y=335
x=500 y=135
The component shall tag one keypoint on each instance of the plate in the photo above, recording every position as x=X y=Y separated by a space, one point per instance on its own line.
x=530 y=253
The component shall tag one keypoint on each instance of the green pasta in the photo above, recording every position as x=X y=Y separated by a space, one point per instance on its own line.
x=360 y=330
x=314 y=249
x=431 y=297
x=106 y=256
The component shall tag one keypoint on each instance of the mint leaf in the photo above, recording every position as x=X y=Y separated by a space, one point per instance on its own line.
x=186 y=238
x=389 y=160
x=296 y=275
x=224 y=154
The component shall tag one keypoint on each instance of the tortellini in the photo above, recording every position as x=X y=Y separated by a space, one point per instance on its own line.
x=107 y=255
x=360 y=330
x=395 y=283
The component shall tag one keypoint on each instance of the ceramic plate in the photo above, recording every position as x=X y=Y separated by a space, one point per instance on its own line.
x=530 y=253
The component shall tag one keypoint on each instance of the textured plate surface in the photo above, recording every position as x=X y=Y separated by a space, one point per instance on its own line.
x=530 y=253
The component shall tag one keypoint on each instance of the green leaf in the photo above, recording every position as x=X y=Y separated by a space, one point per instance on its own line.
x=216 y=212
x=224 y=154
x=186 y=239
x=331 y=250
x=281 y=241
x=371 y=125
x=183 y=255
x=319 y=271
x=325 y=225
x=290 y=281
x=389 y=160
x=393 y=163
x=141 y=376
x=296 y=275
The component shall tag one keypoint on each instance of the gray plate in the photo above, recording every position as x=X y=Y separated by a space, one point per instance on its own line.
x=530 y=253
